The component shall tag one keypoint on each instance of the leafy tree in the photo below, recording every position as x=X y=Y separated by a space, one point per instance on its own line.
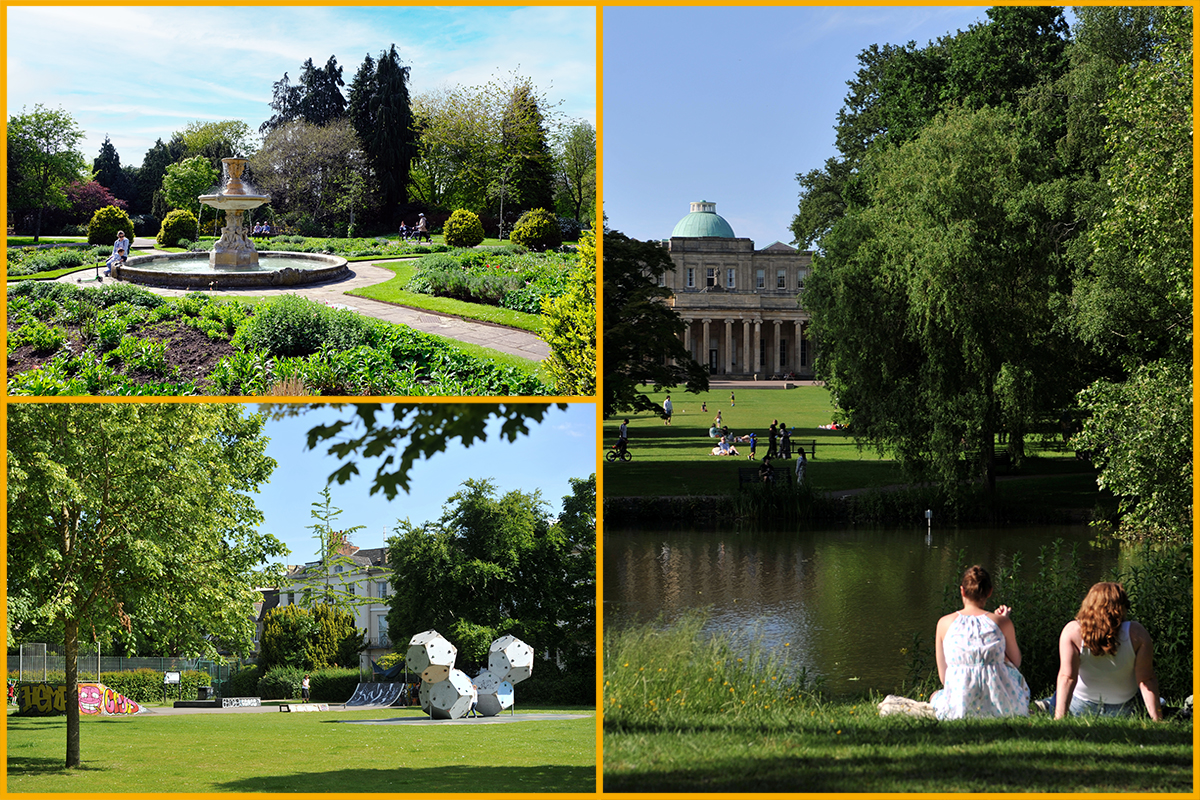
x=216 y=140
x=527 y=165
x=317 y=99
x=382 y=116
x=934 y=303
x=88 y=198
x=456 y=151
x=185 y=181
x=576 y=178
x=43 y=159
x=495 y=565
x=570 y=326
x=308 y=168
x=136 y=518
x=641 y=332
x=1134 y=294
x=309 y=639
x=154 y=168
x=109 y=174
x=416 y=431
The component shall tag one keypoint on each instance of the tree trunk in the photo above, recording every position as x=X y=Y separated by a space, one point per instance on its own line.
x=71 y=642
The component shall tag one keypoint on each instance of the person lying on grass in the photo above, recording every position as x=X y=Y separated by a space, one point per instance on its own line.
x=724 y=448
x=978 y=659
x=1105 y=660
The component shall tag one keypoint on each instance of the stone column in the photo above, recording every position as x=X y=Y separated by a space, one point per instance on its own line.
x=757 y=342
x=746 y=347
x=796 y=349
x=687 y=335
x=774 y=365
x=728 y=346
x=707 y=344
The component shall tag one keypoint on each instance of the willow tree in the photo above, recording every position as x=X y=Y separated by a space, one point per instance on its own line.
x=135 y=521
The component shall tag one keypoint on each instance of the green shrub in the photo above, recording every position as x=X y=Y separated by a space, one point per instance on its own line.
x=286 y=326
x=179 y=224
x=280 y=683
x=243 y=683
x=1159 y=584
x=44 y=338
x=463 y=229
x=538 y=230
x=106 y=223
x=333 y=685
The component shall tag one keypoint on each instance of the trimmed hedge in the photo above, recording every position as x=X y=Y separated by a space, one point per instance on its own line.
x=333 y=685
x=140 y=685
x=243 y=683
x=463 y=229
x=280 y=683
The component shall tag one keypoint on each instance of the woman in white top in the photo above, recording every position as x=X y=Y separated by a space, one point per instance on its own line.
x=1106 y=661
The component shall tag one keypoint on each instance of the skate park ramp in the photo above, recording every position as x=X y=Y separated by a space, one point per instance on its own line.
x=378 y=694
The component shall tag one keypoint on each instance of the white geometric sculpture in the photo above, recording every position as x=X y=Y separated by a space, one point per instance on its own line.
x=430 y=654
x=450 y=698
x=510 y=659
x=423 y=695
x=495 y=695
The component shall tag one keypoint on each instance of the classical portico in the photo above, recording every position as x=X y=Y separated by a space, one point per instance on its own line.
x=741 y=305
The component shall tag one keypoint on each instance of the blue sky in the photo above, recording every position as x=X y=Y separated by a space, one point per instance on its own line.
x=729 y=104
x=562 y=446
x=141 y=73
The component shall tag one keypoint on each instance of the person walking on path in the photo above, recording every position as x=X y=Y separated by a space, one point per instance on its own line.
x=785 y=441
x=423 y=229
x=801 y=463
x=304 y=684
x=772 y=435
x=667 y=410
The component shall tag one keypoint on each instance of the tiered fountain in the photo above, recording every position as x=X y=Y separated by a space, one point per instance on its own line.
x=233 y=262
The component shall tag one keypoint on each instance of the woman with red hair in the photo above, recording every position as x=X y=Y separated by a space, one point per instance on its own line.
x=1105 y=660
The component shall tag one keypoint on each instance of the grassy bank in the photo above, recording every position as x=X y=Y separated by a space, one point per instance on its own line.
x=687 y=713
x=276 y=752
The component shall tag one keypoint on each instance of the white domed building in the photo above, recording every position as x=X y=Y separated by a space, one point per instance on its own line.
x=741 y=305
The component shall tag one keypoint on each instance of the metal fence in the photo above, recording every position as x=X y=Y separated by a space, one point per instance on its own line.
x=35 y=661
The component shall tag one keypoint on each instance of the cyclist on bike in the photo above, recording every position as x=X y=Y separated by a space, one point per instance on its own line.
x=623 y=438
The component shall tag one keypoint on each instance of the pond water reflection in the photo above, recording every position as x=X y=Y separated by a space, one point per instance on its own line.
x=846 y=602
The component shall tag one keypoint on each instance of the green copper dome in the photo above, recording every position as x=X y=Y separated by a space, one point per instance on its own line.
x=703 y=222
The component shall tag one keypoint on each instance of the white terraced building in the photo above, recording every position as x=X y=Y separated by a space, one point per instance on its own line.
x=741 y=305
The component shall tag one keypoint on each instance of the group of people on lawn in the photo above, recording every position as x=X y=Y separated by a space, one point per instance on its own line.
x=1106 y=663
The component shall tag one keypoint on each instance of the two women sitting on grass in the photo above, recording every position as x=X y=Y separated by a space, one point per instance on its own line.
x=1106 y=661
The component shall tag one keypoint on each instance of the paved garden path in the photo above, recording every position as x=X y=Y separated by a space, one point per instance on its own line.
x=364 y=273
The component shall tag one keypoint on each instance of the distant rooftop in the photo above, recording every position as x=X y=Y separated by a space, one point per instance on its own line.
x=703 y=222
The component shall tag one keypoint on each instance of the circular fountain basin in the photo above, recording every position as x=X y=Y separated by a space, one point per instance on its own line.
x=193 y=271
x=234 y=202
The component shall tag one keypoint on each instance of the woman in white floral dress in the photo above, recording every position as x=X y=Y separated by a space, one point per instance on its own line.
x=978 y=658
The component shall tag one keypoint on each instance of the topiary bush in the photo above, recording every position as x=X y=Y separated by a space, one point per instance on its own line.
x=106 y=223
x=463 y=229
x=179 y=224
x=538 y=230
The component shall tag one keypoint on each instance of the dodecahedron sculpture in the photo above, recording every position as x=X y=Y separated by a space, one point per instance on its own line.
x=510 y=659
x=450 y=698
x=495 y=695
x=430 y=654
x=423 y=695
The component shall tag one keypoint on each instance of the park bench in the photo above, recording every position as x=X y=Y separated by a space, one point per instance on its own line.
x=748 y=475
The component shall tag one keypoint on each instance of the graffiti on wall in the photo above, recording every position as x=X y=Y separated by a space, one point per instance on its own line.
x=95 y=699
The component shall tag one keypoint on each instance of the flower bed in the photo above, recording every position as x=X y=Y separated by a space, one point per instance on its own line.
x=519 y=281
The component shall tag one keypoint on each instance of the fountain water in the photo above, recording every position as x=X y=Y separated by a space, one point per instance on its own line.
x=233 y=261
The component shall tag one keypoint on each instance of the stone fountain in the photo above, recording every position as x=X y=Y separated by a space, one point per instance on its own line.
x=234 y=261
x=234 y=248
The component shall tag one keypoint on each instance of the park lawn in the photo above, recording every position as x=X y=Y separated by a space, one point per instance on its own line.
x=27 y=241
x=676 y=459
x=392 y=291
x=277 y=752
x=846 y=747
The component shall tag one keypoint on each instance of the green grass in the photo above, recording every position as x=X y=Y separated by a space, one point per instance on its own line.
x=675 y=459
x=276 y=752
x=27 y=241
x=689 y=713
x=56 y=273
x=392 y=291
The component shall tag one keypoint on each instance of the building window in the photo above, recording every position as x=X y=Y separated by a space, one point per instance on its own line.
x=338 y=568
x=691 y=277
x=760 y=279
x=804 y=351
x=710 y=277
x=781 y=279
x=762 y=350
x=729 y=281
x=662 y=279
x=381 y=626
x=291 y=598
x=800 y=274
x=383 y=588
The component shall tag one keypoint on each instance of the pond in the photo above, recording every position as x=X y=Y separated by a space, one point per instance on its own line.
x=846 y=602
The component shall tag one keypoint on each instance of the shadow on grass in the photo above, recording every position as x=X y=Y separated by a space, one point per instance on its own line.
x=32 y=767
x=925 y=756
x=453 y=779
